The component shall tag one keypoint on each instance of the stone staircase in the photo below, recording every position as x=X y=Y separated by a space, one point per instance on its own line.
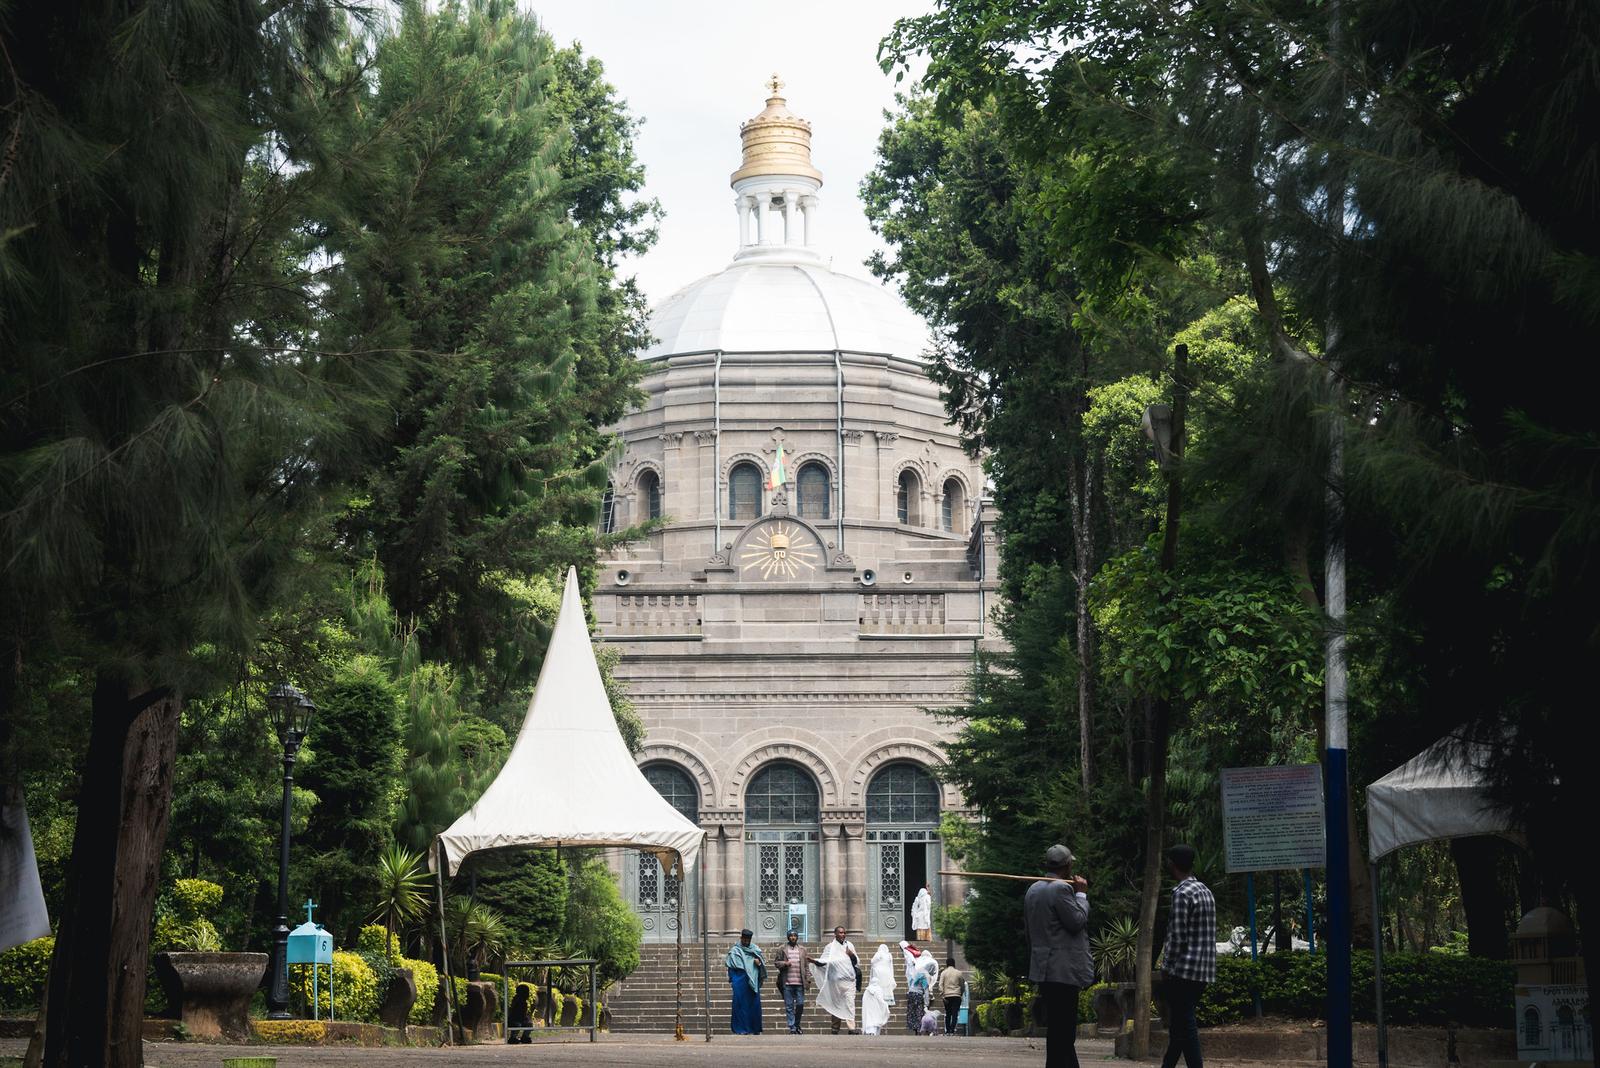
x=643 y=1002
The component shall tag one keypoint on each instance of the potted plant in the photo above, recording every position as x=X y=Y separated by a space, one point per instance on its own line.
x=1115 y=951
x=207 y=990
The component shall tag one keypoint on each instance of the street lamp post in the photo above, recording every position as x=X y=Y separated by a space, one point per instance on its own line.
x=291 y=713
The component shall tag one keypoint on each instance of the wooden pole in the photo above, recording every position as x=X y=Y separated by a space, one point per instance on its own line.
x=1004 y=875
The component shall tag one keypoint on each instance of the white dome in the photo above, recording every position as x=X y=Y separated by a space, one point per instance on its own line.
x=761 y=306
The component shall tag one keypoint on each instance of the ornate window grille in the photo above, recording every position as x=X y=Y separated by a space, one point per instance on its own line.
x=902 y=793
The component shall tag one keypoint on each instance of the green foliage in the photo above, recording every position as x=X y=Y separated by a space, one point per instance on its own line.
x=992 y=1015
x=478 y=932
x=600 y=924
x=355 y=983
x=529 y=889
x=23 y=970
x=402 y=895
x=353 y=770
x=1418 y=988
x=1115 y=949
x=427 y=980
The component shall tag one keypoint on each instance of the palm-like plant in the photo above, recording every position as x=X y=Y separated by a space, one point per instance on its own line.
x=1115 y=948
x=480 y=932
x=402 y=891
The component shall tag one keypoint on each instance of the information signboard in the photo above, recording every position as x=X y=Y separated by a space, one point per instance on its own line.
x=1272 y=817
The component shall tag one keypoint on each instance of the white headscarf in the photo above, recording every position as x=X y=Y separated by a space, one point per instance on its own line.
x=922 y=911
x=879 y=994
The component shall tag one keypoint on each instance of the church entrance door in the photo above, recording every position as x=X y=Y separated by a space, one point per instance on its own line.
x=781 y=861
x=903 y=848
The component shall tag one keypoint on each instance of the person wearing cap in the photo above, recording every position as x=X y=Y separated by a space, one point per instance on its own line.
x=747 y=971
x=1189 y=958
x=1056 y=912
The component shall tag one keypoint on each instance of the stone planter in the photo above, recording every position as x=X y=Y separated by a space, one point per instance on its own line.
x=398 y=999
x=210 y=992
x=1113 y=1008
x=479 y=1011
x=569 y=1012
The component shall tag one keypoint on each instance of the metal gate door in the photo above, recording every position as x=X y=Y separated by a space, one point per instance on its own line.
x=655 y=894
x=780 y=870
x=890 y=888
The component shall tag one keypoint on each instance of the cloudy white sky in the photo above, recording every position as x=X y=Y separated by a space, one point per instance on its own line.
x=694 y=70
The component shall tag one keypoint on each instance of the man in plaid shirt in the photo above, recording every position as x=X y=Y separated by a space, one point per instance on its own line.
x=1189 y=959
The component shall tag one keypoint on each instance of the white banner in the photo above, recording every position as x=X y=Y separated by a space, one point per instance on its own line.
x=1272 y=817
x=22 y=913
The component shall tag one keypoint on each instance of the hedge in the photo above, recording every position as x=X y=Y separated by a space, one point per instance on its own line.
x=355 y=988
x=22 y=974
x=427 y=979
x=1418 y=988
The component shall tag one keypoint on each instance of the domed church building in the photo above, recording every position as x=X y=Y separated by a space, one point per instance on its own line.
x=822 y=574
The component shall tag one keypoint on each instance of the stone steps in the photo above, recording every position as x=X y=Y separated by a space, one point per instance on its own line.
x=644 y=1002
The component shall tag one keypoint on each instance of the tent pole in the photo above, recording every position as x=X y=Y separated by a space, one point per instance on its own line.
x=705 y=941
x=1377 y=965
x=444 y=950
x=677 y=1029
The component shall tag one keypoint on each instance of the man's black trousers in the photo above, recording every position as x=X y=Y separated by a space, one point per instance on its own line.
x=1061 y=1017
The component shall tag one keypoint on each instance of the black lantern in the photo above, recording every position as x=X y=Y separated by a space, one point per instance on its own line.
x=291 y=712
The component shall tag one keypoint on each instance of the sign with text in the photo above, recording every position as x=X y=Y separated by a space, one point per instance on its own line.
x=1272 y=817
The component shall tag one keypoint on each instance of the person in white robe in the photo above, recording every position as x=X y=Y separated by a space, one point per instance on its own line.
x=922 y=913
x=834 y=972
x=879 y=994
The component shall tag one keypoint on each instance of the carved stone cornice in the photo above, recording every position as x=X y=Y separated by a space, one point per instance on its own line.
x=705 y=437
x=886 y=437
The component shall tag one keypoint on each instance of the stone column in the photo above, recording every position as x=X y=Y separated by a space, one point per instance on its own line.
x=854 y=845
x=791 y=216
x=733 y=916
x=762 y=202
x=706 y=498
x=834 y=875
x=813 y=208
x=886 y=487
x=741 y=206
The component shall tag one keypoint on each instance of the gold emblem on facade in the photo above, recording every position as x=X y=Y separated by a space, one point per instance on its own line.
x=780 y=549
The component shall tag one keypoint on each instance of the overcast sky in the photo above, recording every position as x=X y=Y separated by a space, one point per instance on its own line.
x=694 y=70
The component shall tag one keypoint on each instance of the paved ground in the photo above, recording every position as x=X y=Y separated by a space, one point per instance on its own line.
x=636 y=1051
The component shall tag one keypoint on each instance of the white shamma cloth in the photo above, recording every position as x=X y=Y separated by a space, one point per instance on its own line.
x=879 y=994
x=835 y=977
x=922 y=911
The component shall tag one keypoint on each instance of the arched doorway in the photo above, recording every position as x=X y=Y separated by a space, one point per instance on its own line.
x=782 y=818
x=902 y=847
x=653 y=890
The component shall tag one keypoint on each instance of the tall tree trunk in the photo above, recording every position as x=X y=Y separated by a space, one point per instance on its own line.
x=97 y=977
x=1483 y=897
x=1159 y=724
x=1081 y=492
x=1157 y=720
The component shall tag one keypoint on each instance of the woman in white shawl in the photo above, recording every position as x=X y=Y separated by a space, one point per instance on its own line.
x=879 y=994
x=835 y=976
x=922 y=913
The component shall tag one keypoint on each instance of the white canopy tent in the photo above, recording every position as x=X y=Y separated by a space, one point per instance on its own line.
x=1441 y=793
x=570 y=780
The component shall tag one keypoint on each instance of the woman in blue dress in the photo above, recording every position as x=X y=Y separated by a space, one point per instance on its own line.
x=747 y=971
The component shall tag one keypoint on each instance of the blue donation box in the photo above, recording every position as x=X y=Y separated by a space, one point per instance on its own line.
x=310 y=944
x=799 y=923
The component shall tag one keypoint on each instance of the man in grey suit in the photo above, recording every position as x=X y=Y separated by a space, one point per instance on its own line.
x=1057 y=914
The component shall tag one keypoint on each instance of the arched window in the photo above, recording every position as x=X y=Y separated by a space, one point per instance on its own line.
x=903 y=793
x=744 y=492
x=782 y=794
x=812 y=491
x=608 y=510
x=907 y=498
x=674 y=784
x=954 y=508
x=1532 y=1027
x=650 y=494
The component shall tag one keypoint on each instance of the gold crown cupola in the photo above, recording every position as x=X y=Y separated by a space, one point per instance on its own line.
x=775 y=188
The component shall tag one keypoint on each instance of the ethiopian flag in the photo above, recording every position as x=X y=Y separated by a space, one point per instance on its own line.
x=779 y=476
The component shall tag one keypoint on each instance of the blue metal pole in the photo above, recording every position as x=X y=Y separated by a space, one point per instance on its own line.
x=1311 y=913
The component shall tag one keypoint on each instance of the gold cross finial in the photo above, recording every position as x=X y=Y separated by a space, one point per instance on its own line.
x=775 y=83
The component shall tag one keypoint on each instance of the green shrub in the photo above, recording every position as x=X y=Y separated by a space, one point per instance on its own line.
x=355 y=985
x=1418 y=988
x=196 y=899
x=427 y=978
x=992 y=1015
x=22 y=974
x=374 y=938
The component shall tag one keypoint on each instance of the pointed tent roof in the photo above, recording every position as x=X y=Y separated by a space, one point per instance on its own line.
x=570 y=780
x=1442 y=792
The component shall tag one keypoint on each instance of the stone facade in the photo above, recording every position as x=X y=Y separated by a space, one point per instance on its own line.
x=782 y=645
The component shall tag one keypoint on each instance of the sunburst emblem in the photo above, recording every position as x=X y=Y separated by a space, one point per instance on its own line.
x=780 y=550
